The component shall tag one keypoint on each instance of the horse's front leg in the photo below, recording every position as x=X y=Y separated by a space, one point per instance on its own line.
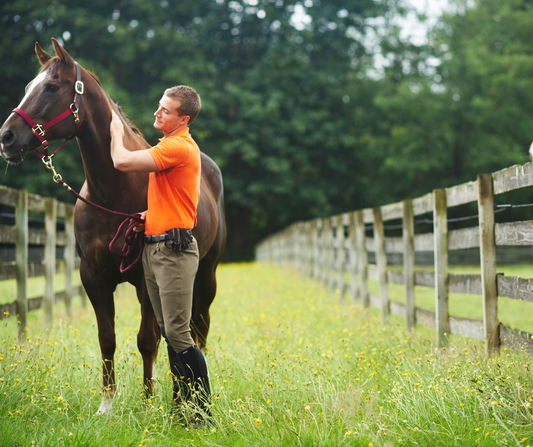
x=148 y=337
x=101 y=296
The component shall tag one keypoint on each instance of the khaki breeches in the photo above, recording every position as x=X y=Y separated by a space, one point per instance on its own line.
x=170 y=279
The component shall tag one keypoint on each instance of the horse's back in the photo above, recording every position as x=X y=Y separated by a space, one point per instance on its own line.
x=211 y=229
x=213 y=176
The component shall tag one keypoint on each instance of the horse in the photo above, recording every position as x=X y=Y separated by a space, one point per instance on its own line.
x=48 y=99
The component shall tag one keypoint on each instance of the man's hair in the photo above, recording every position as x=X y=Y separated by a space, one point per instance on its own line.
x=190 y=103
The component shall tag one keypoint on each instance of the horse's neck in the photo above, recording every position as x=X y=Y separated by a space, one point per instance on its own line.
x=105 y=184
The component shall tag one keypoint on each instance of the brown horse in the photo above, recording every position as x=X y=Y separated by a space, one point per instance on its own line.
x=50 y=95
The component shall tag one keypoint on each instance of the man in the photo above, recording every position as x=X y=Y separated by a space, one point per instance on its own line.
x=170 y=257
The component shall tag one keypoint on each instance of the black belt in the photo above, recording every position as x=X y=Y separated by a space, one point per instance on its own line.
x=160 y=237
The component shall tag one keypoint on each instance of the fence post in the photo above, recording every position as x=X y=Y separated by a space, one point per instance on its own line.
x=488 y=263
x=319 y=249
x=381 y=261
x=440 y=232
x=21 y=222
x=341 y=255
x=328 y=251
x=354 y=285
x=313 y=272
x=308 y=242
x=50 y=220
x=283 y=247
x=303 y=247
x=296 y=252
x=362 y=259
x=332 y=252
x=409 y=263
x=70 y=248
x=279 y=253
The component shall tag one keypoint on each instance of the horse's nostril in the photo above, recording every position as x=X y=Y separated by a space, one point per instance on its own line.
x=8 y=138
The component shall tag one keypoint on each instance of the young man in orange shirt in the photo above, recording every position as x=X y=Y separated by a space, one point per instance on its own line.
x=170 y=258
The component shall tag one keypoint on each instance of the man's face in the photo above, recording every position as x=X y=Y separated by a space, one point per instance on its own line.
x=167 y=119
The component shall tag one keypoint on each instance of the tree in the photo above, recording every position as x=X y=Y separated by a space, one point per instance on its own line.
x=465 y=107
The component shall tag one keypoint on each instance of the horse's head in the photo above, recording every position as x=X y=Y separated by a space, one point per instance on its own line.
x=47 y=97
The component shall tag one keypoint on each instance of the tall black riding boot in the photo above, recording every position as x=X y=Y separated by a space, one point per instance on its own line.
x=194 y=366
x=180 y=391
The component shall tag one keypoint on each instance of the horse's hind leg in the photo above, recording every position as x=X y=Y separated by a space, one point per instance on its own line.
x=205 y=289
x=148 y=336
x=100 y=294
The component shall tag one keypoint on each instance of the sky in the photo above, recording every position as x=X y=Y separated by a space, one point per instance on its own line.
x=432 y=9
x=413 y=29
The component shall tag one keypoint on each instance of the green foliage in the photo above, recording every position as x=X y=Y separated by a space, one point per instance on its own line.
x=296 y=114
x=470 y=110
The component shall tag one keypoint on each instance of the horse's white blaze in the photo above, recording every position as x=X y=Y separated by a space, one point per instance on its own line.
x=39 y=79
x=107 y=404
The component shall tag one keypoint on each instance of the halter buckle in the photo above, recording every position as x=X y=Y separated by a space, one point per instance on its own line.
x=38 y=128
x=79 y=87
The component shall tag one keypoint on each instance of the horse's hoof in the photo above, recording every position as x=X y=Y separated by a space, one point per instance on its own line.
x=105 y=407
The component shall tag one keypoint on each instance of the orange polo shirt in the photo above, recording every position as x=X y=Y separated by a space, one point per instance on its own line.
x=174 y=191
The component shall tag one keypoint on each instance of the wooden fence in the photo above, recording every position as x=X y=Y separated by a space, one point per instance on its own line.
x=21 y=235
x=317 y=246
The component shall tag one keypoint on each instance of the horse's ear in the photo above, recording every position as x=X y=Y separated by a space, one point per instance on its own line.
x=42 y=55
x=62 y=53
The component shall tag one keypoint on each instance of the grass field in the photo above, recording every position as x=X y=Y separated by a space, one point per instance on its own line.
x=289 y=365
x=36 y=287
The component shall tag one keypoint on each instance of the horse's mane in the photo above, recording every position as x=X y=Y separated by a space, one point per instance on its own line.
x=132 y=126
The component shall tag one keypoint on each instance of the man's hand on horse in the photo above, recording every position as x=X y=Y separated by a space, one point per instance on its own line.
x=116 y=127
x=140 y=228
x=123 y=159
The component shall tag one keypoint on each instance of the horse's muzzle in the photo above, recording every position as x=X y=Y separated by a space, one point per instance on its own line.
x=13 y=146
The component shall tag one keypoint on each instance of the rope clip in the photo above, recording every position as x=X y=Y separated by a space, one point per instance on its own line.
x=75 y=113
x=48 y=163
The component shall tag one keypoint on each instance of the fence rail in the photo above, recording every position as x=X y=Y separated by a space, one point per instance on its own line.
x=22 y=236
x=330 y=248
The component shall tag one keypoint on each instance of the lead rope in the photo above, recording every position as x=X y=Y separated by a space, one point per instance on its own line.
x=132 y=220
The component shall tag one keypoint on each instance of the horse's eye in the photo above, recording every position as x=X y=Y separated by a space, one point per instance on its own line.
x=51 y=88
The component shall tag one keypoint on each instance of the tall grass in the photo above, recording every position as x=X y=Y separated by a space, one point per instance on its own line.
x=290 y=365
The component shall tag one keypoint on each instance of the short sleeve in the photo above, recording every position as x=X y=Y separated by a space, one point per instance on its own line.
x=169 y=153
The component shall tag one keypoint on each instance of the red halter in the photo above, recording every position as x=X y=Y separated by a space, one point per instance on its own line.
x=39 y=129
